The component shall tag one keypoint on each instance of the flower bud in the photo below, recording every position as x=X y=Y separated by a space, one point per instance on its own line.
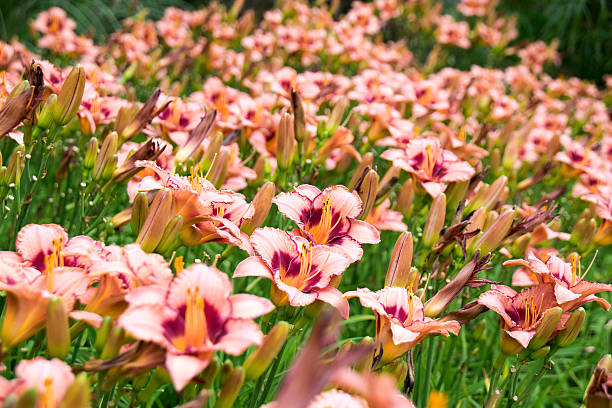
x=69 y=98
x=545 y=329
x=365 y=363
x=435 y=221
x=477 y=221
x=367 y=192
x=107 y=151
x=57 y=331
x=583 y=234
x=15 y=166
x=231 y=388
x=225 y=371
x=110 y=167
x=113 y=344
x=262 y=202
x=336 y=115
x=92 y=152
x=477 y=199
x=495 y=234
x=406 y=198
x=210 y=372
x=262 y=170
x=540 y=353
x=196 y=137
x=285 y=142
x=398 y=369
x=603 y=236
x=399 y=271
x=597 y=393
x=456 y=192
x=29 y=399
x=519 y=246
x=140 y=209
x=364 y=165
x=45 y=112
x=170 y=235
x=572 y=328
x=509 y=345
x=160 y=213
x=103 y=332
x=299 y=117
x=491 y=196
x=78 y=394
x=261 y=358
x=218 y=170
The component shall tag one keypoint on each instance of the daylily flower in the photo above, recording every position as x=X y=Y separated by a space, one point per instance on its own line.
x=431 y=165
x=328 y=217
x=522 y=312
x=570 y=286
x=400 y=320
x=301 y=272
x=50 y=378
x=195 y=317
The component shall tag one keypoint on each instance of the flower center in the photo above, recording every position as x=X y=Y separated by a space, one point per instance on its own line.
x=53 y=260
x=532 y=310
x=430 y=161
x=196 y=330
x=410 y=306
x=320 y=232
x=196 y=179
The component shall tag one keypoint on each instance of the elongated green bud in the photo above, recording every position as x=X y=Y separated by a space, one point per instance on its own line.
x=69 y=98
x=366 y=363
x=170 y=235
x=285 y=142
x=226 y=369
x=299 y=117
x=435 y=221
x=160 y=213
x=114 y=343
x=540 y=353
x=91 y=154
x=57 y=331
x=261 y=358
x=262 y=202
x=545 y=329
x=231 y=388
x=140 y=209
x=15 y=166
x=405 y=198
x=495 y=234
x=210 y=372
x=103 y=333
x=109 y=168
x=45 y=113
x=211 y=152
x=78 y=394
x=509 y=345
x=107 y=151
x=335 y=117
x=572 y=328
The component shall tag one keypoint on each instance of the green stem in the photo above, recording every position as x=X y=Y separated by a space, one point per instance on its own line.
x=424 y=395
x=513 y=382
x=496 y=374
x=271 y=376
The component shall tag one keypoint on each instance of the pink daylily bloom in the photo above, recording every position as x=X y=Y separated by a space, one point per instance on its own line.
x=301 y=272
x=195 y=317
x=328 y=217
x=430 y=164
x=400 y=320
x=50 y=378
x=522 y=312
x=570 y=287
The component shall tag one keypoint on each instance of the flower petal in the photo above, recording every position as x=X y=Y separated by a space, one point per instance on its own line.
x=239 y=335
x=253 y=266
x=334 y=297
x=364 y=232
x=246 y=306
x=182 y=368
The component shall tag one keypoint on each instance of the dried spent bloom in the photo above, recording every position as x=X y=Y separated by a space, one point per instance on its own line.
x=599 y=391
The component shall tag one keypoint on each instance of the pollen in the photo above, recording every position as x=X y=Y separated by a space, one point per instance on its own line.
x=321 y=231
x=196 y=329
x=53 y=261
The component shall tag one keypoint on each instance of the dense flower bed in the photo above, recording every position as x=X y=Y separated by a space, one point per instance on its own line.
x=230 y=240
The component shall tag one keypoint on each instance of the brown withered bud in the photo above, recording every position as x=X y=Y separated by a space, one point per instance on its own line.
x=144 y=115
x=466 y=277
x=598 y=391
x=148 y=151
x=135 y=359
x=299 y=118
x=455 y=233
x=528 y=224
x=467 y=313
x=364 y=166
x=16 y=107
x=196 y=137
x=367 y=192
x=540 y=173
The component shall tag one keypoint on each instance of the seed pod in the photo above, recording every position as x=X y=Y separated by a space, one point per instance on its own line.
x=70 y=96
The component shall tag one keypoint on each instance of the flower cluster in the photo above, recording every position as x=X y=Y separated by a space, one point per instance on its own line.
x=296 y=148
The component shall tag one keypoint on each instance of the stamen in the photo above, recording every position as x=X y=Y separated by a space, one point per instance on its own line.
x=196 y=330
x=430 y=161
x=589 y=268
x=408 y=319
x=48 y=399
x=179 y=264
